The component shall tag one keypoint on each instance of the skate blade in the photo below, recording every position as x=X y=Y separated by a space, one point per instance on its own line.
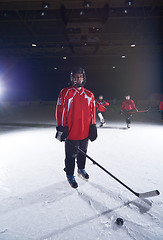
x=80 y=176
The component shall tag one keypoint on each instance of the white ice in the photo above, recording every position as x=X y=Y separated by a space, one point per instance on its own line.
x=36 y=201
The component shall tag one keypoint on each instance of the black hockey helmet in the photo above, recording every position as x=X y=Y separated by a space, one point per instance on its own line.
x=77 y=70
x=127 y=94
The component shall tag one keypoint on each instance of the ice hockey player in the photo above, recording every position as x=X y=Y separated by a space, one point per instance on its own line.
x=161 y=109
x=127 y=106
x=75 y=115
x=101 y=105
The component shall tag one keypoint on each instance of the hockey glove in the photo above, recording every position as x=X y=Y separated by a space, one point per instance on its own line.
x=62 y=133
x=92 y=132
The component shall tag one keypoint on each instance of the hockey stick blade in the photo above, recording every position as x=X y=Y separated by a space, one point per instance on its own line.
x=149 y=194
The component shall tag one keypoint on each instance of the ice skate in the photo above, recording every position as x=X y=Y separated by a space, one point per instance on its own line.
x=83 y=173
x=102 y=124
x=72 y=181
x=128 y=125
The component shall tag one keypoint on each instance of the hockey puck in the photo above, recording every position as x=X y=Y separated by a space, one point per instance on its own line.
x=119 y=221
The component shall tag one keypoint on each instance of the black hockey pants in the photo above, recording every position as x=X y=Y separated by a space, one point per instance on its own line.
x=72 y=154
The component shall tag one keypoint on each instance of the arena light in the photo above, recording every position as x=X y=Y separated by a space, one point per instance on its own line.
x=129 y=2
x=87 y=4
x=34 y=45
x=45 y=5
x=1 y=89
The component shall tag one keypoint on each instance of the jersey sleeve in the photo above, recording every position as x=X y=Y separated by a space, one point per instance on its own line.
x=123 y=106
x=92 y=109
x=133 y=104
x=106 y=104
x=61 y=109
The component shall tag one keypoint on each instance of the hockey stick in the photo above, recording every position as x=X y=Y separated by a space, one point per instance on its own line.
x=144 y=111
x=140 y=195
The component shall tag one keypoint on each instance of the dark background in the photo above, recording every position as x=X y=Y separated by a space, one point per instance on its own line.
x=34 y=79
x=95 y=41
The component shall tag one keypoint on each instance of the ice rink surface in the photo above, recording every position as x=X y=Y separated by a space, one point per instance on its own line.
x=37 y=203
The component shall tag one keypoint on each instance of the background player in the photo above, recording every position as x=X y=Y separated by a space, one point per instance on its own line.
x=101 y=105
x=127 y=106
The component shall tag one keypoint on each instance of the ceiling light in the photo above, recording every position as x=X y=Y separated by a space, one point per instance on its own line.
x=123 y=56
x=113 y=67
x=125 y=11
x=82 y=13
x=42 y=14
x=64 y=57
x=133 y=45
x=129 y=2
x=45 y=5
x=34 y=45
x=87 y=4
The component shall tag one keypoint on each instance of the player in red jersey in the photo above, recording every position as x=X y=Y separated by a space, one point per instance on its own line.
x=75 y=115
x=161 y=109
x=127 y=106
x=101 y=105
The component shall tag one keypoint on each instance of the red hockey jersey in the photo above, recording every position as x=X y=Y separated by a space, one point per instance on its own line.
x=161 y=106
x=76 y=109
x=100 y=105
x=128 y=105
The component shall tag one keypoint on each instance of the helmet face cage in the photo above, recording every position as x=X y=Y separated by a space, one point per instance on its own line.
x=78 y=70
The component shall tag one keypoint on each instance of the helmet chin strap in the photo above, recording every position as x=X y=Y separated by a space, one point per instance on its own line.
x=78 y=85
